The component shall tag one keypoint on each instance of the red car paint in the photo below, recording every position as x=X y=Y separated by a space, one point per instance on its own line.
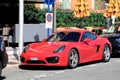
x=89 y=50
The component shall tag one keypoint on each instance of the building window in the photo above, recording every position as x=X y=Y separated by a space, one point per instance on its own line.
x=99 y=4
x=66 y=4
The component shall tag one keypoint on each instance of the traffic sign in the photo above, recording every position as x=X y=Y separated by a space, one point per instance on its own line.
x=49 y=20
x=49 y=2
x=49 y=17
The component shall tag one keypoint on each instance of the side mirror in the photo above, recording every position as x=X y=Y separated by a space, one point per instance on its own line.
x=86 y=40
x=44 y=40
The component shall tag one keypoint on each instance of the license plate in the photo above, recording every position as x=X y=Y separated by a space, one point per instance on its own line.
x=34 y=58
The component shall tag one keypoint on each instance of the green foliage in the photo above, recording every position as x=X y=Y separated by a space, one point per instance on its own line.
x=32 y=15
x=64 y=18
x=117 y=20
x=67 y=19
x=96 y=19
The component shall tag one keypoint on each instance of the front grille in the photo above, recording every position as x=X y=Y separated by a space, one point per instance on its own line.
x=35 y=62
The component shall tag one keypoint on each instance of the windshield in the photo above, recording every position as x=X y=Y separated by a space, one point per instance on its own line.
x=64 y=36
x=114 y=29
x=111 y=29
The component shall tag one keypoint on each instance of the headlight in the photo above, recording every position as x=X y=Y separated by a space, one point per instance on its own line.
x=59 y=49
x=26 y=48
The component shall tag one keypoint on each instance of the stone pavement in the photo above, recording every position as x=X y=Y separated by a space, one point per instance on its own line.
x=13 y=57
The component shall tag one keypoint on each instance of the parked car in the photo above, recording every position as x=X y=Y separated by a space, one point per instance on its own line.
x=113 y=35
x=3 y=55
x=68 y=47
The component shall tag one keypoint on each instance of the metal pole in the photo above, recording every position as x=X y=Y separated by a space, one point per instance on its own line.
x=48 y=30
x=113 y=19
x=21 y=20
x=54 y=17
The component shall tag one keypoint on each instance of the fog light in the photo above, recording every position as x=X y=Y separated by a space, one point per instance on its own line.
x=52 y=59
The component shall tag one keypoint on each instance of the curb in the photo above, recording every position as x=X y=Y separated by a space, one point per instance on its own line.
x=11 y=66
x=12 y=57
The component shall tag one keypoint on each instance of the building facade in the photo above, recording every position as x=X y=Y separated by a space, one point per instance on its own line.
x=94 y=5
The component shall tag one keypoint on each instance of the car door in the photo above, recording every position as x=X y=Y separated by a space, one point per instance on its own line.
x=89 y=46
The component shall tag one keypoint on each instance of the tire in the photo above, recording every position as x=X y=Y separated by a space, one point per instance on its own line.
x=73 y=59
x=0 y=68
x=106 y=54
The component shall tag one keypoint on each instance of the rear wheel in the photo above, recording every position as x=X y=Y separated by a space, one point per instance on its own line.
x=106 y=53
x=73 y=59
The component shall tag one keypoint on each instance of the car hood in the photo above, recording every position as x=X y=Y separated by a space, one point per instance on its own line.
x=45 y=46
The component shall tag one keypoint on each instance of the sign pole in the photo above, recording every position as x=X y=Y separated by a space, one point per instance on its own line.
x=49 y=2
x=54 y=17
x=48 y=30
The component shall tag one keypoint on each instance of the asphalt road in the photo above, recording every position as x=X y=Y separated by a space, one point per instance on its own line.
x=90 y=71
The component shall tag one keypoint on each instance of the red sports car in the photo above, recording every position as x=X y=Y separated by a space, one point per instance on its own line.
x=67 y=48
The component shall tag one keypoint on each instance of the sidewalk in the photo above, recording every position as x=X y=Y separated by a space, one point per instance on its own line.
x=13 y=57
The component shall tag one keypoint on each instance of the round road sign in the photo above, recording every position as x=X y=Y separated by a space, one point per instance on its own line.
x=49 y=17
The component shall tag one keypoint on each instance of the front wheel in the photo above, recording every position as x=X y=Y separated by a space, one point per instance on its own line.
x=73 y=59
x=106 y=53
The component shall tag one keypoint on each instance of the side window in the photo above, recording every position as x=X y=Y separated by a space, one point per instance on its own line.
x=83 y=37
x=72 y=36
x=89 y=35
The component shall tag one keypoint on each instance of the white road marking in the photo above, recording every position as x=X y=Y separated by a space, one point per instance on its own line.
x=59 y=72
x=117 y=60
x=47 y=75
x=93 y=65
x=40 y=76
x=50 y=75
x=78 y=68
x=32 y=79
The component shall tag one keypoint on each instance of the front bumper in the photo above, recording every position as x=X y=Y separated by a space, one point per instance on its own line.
x=42 y=60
